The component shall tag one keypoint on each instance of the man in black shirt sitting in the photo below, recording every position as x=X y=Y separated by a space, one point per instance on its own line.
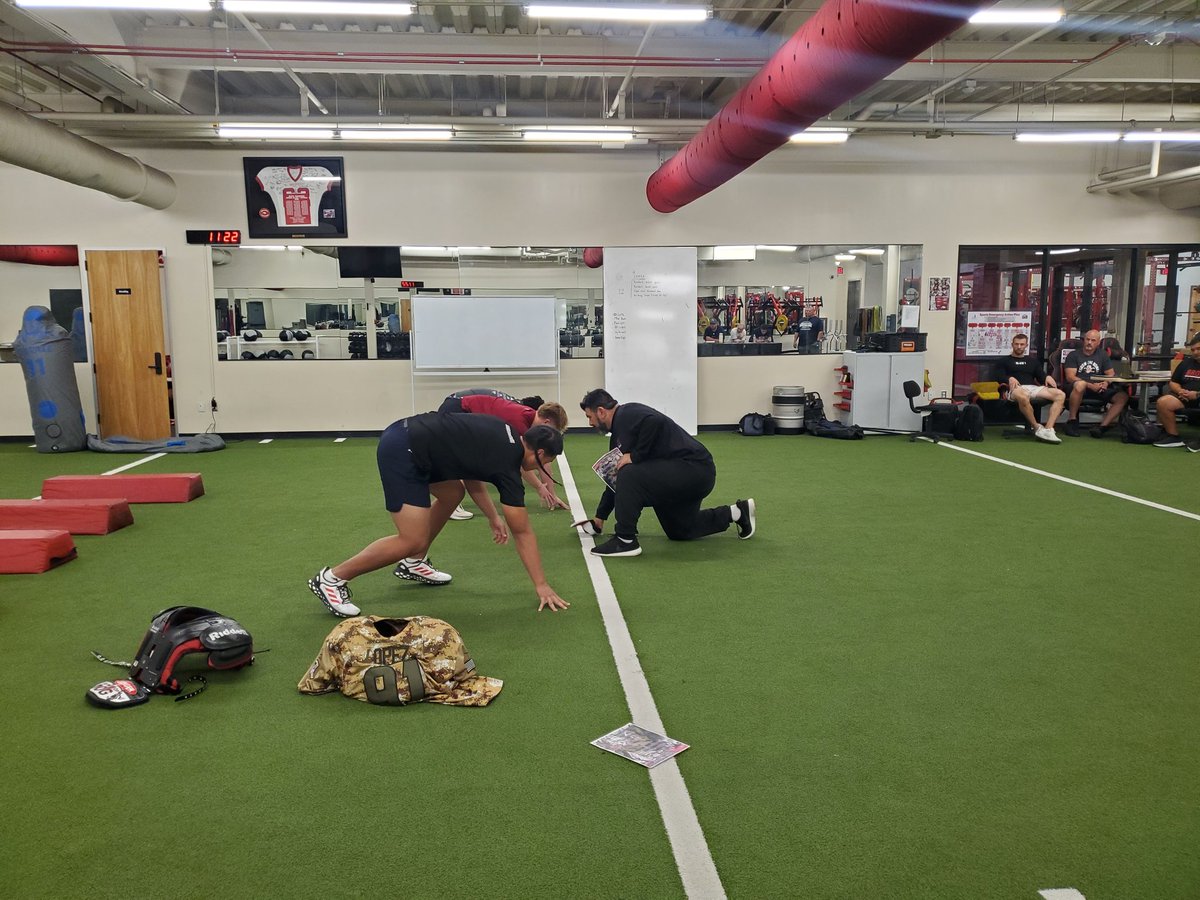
x=660 y=466
x=1028 y=383
x=1182 y=392
x=432 y=454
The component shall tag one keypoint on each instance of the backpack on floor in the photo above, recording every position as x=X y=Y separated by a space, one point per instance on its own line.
x=1139 y=429
x=826 y=428
x=814 y=411
x=752 y=424
x=969 y=426
x=943 y=417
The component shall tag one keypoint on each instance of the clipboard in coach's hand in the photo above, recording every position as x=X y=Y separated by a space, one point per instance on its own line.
x=606 y=467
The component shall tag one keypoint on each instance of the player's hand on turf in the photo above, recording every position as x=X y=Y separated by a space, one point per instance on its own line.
x=499 y=531
x=548 y=599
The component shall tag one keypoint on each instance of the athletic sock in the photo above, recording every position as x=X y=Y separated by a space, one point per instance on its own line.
x=329 y=578
x=736 y=512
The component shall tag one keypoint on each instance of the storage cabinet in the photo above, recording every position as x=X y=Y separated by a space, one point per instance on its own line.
x=871 y=394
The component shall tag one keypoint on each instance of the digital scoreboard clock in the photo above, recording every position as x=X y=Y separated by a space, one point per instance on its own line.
x=214 y=236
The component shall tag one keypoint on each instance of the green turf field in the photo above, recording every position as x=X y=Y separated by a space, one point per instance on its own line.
x=927 y=675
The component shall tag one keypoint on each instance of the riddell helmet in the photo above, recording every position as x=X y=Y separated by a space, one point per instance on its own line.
x=180 y=630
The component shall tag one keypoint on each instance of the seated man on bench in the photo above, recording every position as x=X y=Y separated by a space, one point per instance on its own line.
x=1028 y=383
x=1086 y=371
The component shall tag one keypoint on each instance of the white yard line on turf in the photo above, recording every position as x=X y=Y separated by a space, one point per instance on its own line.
x=138 y=462
x=696 y=868
x=144 y=459
x=1083 y=484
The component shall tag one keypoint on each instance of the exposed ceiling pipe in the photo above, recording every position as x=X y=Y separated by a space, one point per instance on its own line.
x=45 y=255
x=619 y=100
x=288 y=70
x=843 y=49
x=33 y=144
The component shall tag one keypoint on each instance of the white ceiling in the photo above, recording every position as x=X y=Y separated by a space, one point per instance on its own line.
x=487 y=68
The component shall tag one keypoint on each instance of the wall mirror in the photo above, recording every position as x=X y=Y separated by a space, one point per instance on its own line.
x=291 y=302
x=42 y=275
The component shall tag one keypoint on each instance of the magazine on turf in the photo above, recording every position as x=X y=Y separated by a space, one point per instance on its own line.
x=643 y=747
x=606 y=467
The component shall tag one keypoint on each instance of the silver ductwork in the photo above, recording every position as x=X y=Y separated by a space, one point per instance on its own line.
x=42 y=147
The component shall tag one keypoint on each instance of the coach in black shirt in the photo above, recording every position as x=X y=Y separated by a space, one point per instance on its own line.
x=432 y=454
x=1028 y=384
x=660 y=466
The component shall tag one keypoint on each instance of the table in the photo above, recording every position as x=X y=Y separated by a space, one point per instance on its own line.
x=1143 y=381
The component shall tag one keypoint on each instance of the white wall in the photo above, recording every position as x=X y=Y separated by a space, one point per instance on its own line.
x=871 y=191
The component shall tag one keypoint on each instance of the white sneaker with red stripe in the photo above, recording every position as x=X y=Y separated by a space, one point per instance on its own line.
x=334 y=593
x=421 y=570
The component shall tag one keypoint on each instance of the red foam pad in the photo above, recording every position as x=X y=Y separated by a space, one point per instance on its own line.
x=75 y=516
x=179 y=487
x=27 y=552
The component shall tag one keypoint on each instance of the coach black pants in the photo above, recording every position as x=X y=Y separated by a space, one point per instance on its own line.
x=673 y=489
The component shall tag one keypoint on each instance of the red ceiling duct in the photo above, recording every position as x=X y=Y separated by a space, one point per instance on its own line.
x=843 y=49
x=593 y=257
x=45 y=255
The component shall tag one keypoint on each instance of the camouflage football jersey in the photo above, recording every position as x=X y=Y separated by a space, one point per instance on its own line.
x=397 y=661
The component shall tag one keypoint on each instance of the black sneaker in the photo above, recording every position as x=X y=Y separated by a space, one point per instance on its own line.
x=1099 y=431
x=1072 y=428
x=745 y=524
x=616 y=546
x=1169 y=440
x=1193 y=446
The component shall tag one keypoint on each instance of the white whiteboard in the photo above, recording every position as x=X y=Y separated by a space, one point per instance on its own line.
x=484 y=333
x=650 y=329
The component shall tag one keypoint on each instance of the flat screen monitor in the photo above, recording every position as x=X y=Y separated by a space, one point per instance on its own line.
x=369 y=262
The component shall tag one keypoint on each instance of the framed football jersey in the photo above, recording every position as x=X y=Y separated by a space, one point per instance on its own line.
x=295 y=197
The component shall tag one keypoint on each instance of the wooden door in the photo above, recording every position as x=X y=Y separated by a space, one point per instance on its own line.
x=125 y=297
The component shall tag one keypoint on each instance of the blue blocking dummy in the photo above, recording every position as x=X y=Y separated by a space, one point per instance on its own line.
x=43 y=347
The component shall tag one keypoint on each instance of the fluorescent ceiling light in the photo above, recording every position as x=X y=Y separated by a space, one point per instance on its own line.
x=733 y=251
x=1065 y=250
x=396 y=134
x=275 y=247
x=181 y=5
x=869 y=251
x=1068 y=137
x=821 y=136
x=318 y=7
x=1162 y=136
x=779 y=248
x=843 y=257
x=1017 y=17
x=577 y=135
x=661 y=13
x=278 y=133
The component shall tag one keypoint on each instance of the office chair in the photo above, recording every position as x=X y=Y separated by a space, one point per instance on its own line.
x=947 y=412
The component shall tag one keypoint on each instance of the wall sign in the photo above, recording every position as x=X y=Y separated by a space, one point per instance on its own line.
x=990 y=332
x=295 y=197
x=939 y=293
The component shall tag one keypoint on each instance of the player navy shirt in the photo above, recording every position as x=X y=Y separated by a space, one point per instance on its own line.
x=1026 y=369
x=453 y=446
